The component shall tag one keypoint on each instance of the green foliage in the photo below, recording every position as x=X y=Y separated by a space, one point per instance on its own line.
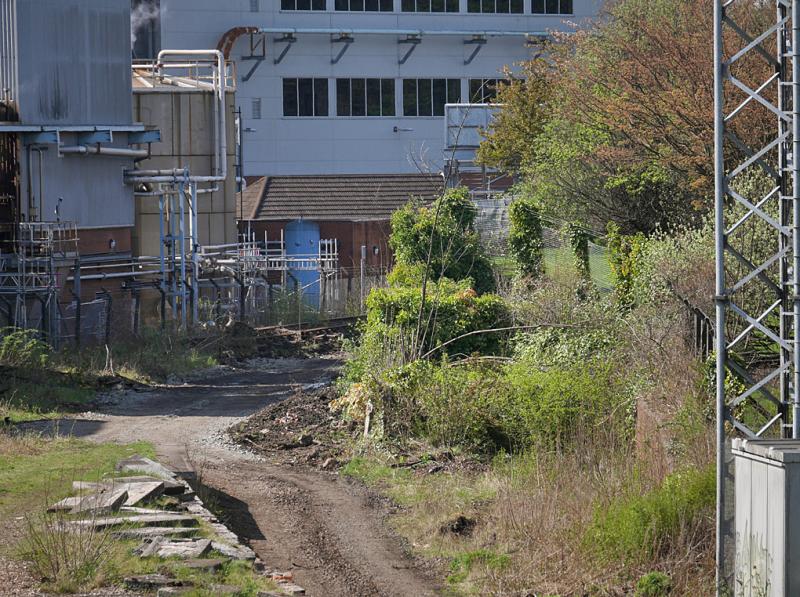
x=463 y=564
x=579 y=243
x=450 y=310
x=625 y=259
x=654 y=584
x=525 y=237
x=488 y=408
x=559 y=347
x=637 y=526
x=22 y=348
x=445 y=231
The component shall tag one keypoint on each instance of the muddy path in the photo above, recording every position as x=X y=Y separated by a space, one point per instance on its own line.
x=329 y=532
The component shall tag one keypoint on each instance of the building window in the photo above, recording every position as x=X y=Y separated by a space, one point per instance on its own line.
x=305 y=97
x=255 y=5
x=427 y=97
x=255 y=108
x=365 y=97
x=429 y=6
x=365 y=5
x=552 y=7
x=482 y=91
x=302 y=4
x=496 y=6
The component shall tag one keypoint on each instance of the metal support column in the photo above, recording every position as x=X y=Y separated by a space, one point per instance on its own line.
x=756 y=75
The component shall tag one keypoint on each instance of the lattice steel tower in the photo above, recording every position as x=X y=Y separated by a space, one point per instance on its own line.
x=757 y=211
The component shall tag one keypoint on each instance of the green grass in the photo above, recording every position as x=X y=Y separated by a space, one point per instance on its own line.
x=36 y=471
x=559 y=265
x=637 y=525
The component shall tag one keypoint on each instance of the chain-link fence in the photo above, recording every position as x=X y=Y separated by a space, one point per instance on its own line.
x=493 y=225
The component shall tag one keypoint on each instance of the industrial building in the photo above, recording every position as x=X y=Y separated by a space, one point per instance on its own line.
x=355 y=86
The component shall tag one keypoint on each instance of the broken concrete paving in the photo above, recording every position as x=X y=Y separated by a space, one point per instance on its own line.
x=164 y=531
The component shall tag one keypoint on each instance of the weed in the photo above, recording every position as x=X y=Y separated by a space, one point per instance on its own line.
x=68 y=558
x=640 y=526
x=463 y=564
x=654 y=584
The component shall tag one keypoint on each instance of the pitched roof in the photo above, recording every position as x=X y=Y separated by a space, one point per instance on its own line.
x=352 y=197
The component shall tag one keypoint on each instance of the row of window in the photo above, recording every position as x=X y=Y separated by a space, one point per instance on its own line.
x=376 y=97
x=550 y=7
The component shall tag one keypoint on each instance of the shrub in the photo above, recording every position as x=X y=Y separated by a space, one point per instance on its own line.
x=525 y=237
x=640 y=526
x=487 y=407
x=450 y=310
x=22 y=348
x=654 y=584
x=446 y=232
x=68 y=560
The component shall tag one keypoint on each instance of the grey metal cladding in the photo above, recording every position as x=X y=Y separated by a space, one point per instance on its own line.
x=73 y=60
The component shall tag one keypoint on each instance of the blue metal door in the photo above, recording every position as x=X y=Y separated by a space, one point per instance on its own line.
x=302 y=243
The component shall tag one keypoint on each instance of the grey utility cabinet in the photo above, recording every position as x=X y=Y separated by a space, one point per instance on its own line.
x=767 y=476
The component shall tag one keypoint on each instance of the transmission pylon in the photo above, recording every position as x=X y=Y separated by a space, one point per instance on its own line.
x=756 y=74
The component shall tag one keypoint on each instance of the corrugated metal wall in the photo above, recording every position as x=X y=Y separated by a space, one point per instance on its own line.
x=8 y=53
x=73 y=60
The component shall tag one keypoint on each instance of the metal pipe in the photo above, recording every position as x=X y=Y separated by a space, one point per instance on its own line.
x=40 y=151
x=109 y=151
x=182 y=230
x=409 y=32
x=719 y=249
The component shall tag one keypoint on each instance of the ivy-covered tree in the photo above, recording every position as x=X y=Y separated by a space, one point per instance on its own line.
x=525 y=237
x=443 y=234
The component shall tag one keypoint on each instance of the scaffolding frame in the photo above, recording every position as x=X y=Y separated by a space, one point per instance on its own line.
x=771 y=386
x=30 y=272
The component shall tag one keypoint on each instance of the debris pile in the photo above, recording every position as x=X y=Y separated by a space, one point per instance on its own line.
x=151 y=504
x=300 y=429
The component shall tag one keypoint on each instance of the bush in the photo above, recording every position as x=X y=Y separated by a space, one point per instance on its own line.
x=641 y=526
x=22 y=348
x=654 y=584
x=450 y=310
x=488 y=407
x=446 y=232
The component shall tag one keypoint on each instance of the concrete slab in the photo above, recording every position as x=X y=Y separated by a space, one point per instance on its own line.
x=102 y=502
x=206 y=565
x=184 y=549
x=147 y=519
x=170 y=487
x=145 y=465
x=65 y=505
x=241 y=552
x=144 y=532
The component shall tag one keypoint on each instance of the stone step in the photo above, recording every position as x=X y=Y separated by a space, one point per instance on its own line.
x=171 y=487
x=184 y=548
x=207 y=565
x=145 y=465
x=101 y=502
x=155 y=532
x=168 y=520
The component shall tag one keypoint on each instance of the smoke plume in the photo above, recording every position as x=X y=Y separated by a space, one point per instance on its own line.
x=143 y=13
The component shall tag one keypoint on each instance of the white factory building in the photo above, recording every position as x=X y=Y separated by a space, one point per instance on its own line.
x=355 y=86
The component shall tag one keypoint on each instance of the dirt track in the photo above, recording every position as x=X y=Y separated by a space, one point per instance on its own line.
x=328 y=532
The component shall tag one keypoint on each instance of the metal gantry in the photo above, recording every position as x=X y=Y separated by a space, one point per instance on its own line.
x=756 y=79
